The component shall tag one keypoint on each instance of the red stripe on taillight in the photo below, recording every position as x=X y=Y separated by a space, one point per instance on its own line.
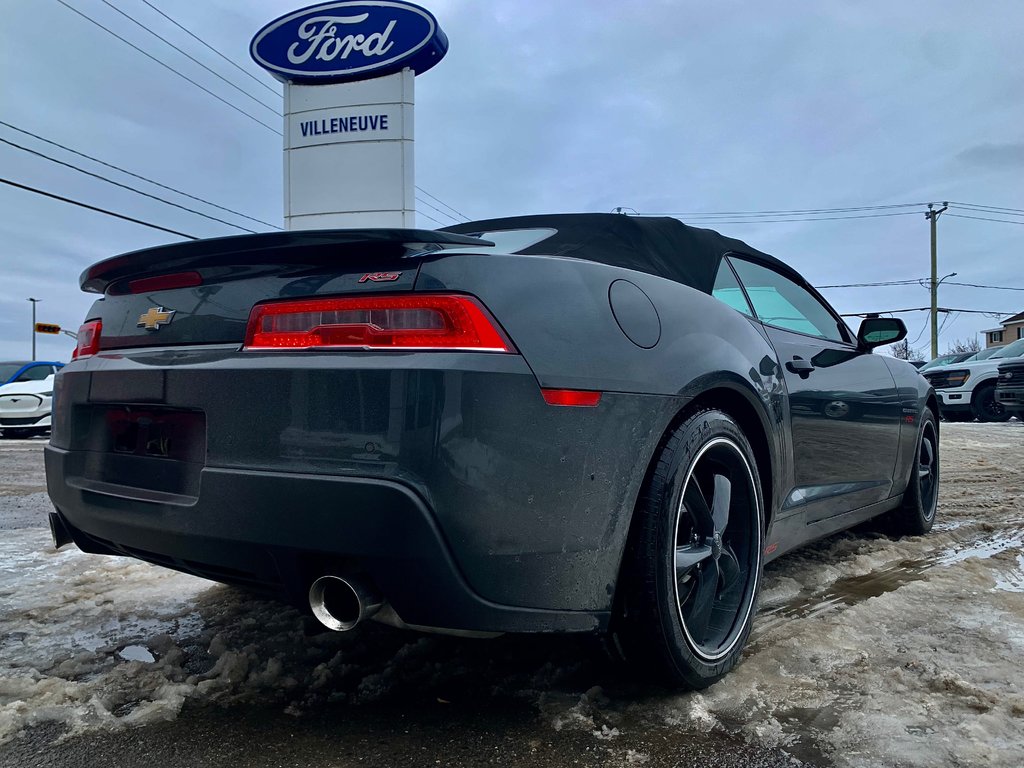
x=165 y=282
x=88 y=339
x=427 y=322
x=578 y=397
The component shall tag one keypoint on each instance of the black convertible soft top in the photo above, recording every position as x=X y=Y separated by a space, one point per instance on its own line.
x=656 y=245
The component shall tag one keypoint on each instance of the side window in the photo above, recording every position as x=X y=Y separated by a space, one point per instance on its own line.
x=780 y=302
x=36 y=373
x=728 y=290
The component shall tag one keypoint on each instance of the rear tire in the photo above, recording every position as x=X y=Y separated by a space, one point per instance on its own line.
x=985 y=406
x=916 y=515
x=693 y=566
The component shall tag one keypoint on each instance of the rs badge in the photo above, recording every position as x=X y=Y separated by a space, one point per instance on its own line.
x=155 y=317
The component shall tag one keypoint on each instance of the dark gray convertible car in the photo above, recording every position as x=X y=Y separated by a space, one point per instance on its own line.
x=565 y=423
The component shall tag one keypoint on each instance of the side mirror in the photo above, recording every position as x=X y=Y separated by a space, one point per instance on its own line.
x=879 y=331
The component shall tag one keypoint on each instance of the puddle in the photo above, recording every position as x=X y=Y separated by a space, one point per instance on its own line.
x=1012 y=578
x=856 y=589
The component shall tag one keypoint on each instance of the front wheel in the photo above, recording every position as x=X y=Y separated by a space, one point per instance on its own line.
x=985 y=405
x=921 y=499
x=694 y=563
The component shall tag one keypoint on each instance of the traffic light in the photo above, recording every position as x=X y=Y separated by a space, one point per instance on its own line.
x=47 y=328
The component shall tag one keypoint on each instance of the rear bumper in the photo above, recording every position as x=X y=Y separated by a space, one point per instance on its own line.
x=275 y=532
x=446 y=478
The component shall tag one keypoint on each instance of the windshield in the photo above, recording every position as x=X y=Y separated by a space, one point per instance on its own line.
x=1013 y=350
x=942 y=360
x=985 y=354
x=9 y=369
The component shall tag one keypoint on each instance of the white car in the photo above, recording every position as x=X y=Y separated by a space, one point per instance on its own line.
x=25 y=407
x=967 y=390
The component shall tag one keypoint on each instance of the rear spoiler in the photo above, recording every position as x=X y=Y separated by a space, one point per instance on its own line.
x=301 y=247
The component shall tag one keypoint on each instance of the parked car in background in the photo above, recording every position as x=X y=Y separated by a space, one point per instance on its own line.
x=967 y=390
x=27 y=370
x=1010 y=387
x=566 y=423
x=25 y=407
x=953 y=357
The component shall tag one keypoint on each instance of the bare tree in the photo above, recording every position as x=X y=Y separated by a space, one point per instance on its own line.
x=971 y=345
x=902 y=350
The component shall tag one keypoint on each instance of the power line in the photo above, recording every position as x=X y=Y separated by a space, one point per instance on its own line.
x=922 y=282
x=872 y=285
x=993 y=287
x=784 y=221
x=95 y=208
x=169 y=67
x=993 y=313
x=988 y=207
x=428 y=216
x=442 y=202
x=191 y=34
x=124 y=186
x=438 y=210
x=920 y=333
x=136 y=175
x=190 y=57
x=982 y=218
x=793 y=211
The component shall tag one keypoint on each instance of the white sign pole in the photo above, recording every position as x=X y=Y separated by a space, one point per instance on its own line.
x=348 y=154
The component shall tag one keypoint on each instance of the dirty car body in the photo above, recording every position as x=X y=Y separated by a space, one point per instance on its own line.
x=488 y=485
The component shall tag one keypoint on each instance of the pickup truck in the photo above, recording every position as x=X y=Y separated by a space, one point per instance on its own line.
x=967 y=390
x=1010 y=387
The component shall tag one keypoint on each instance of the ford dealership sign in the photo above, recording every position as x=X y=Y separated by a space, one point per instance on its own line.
x=344 y=41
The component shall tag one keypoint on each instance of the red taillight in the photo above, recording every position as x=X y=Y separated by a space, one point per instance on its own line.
x=579 y=397
x=165 y=282
x=88 y=339
x=426 y=321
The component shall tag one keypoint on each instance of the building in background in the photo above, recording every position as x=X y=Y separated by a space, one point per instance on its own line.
x=1011 y=330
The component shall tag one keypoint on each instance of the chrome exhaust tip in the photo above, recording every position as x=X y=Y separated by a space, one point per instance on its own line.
x=342 y=603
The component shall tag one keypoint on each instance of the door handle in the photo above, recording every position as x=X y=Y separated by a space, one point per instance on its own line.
x=800 y=366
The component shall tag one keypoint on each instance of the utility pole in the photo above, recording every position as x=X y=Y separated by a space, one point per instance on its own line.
x=34 y=302
x=933 y=216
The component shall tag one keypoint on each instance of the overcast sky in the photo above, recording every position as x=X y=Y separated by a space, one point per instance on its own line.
x=553 y=107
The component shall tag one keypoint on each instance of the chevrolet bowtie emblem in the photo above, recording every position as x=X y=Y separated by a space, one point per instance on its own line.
x=155 y=317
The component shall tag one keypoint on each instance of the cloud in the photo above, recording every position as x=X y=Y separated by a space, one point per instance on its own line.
x=994 y=155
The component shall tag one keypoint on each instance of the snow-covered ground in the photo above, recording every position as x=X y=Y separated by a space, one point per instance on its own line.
x=866 y=652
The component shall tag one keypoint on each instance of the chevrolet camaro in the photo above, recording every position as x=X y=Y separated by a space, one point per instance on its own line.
x=558 y=423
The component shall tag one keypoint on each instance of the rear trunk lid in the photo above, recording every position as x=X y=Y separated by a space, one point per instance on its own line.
x=202 y=292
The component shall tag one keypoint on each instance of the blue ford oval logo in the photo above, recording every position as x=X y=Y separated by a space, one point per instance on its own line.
x=352 y=40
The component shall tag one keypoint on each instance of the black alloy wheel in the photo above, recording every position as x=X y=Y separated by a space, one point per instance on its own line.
x=986 y=407
x=920 y=500
x=714 y=559
x=695 y=557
